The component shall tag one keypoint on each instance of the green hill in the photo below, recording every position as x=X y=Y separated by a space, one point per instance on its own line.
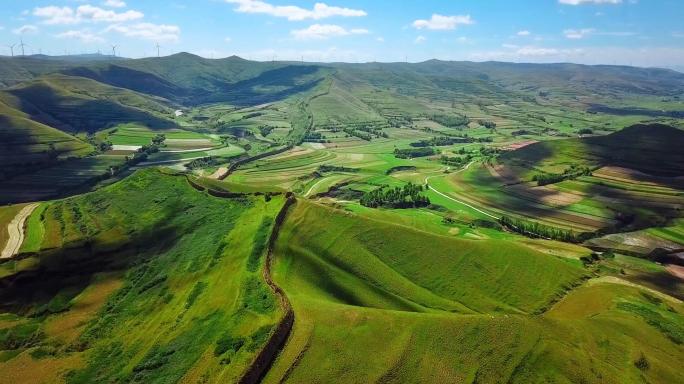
x=395 y=267
x=128 y=286
x=25 y=142
x=650 y=148
x=377 y=302
x=192 y=80
x=82 y=105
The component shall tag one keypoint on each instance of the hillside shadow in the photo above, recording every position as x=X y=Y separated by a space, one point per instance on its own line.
x=73 y=114
x=269 y=86
x=71 y=268
x=139 y=81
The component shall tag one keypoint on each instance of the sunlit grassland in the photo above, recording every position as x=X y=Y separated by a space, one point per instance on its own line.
x=357 y=326
x=358 y=239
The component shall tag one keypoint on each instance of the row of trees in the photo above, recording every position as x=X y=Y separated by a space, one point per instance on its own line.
x=408 y=196
x=570 y=173
x=441 y=141
x=534 y=229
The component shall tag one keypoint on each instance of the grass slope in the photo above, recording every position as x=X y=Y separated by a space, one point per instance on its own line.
x=25 y=142
x=350 y=327
x=175 y=300
x=396 y=267
x=650 y=148
x=76 y=104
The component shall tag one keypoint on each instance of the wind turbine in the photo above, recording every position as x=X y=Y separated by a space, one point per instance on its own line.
x=114 y=50
x=11 y=47
x=22 y=45
x=157 y=45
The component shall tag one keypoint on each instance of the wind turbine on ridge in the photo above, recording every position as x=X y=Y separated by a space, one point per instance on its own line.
x=114 y=50
x=22 y=45
x=157 y=45
x=11 y=47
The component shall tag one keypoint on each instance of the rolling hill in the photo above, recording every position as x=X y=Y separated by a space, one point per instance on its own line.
x=124 y=289
x=377 y=302
x=649 y=148
x=226 y=234
x=79 y=105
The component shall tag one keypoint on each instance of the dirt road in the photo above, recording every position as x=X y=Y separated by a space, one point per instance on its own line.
x=456 y=200
x=16 y=231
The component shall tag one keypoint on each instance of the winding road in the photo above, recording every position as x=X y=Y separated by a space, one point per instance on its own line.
x=16 y=231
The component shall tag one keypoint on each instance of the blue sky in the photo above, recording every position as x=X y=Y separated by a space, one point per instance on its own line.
x=636 y=32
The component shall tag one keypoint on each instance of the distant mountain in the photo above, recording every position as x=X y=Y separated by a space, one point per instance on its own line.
x=189 y=79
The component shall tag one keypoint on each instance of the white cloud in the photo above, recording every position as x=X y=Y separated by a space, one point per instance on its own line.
x=53 y=15
x=227 y=39
x=580 y=2
x=645 y=57
x=114 y=3
x=25 y=30
x=293 y=12
x=83 y=36
x=148 y=31
x=419 y=39
x=324 y=31
x=442 y=22
x=523 y=33
x=578 y=33
x=56 y=15
x=380 y=39
x=330 y=54
x=528 y=54
x=539 y=51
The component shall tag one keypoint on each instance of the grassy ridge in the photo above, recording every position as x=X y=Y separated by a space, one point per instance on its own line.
x=24 y=141
x=364 y=314
x=396 y=267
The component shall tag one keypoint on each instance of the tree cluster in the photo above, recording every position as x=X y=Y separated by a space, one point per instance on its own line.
x=487 y=124
x=450 y=121
x=440 y=141
x=408 y=196
x=413 y=152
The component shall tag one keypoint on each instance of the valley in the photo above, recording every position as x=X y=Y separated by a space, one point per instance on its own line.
x=182 y=219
